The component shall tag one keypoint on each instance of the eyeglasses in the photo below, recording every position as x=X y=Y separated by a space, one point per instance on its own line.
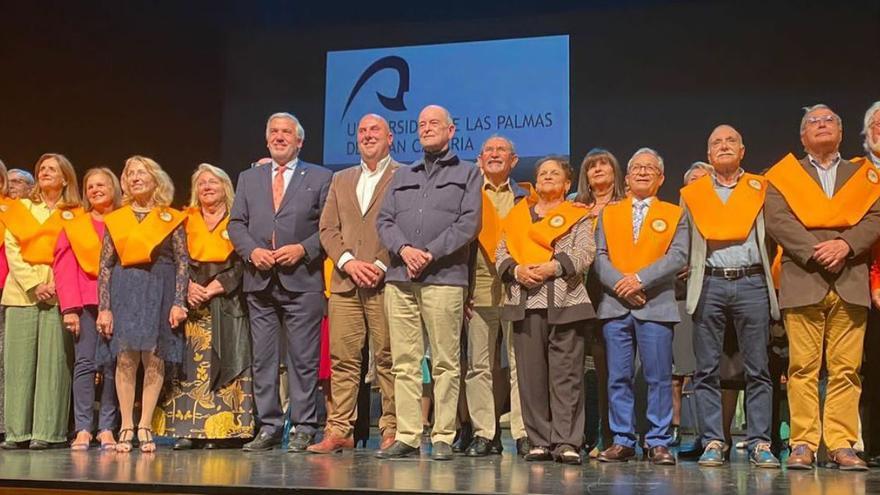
x=828 y=119
x=644 y=169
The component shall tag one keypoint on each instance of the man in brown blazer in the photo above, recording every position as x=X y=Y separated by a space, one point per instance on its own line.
x=823 y=211
x=356 y=307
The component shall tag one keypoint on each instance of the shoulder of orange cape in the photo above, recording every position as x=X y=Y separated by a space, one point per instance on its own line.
x=628 y=256
x=205 y=245
x=135 y=241
x=725 y=221
x=532 y=242
x=810 y=204
x=84 y=242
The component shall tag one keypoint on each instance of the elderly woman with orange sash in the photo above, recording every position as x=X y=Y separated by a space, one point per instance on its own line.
x=546 y=248
x=4 y=271
x=641 y=244
x=142 y=286
x=212 y=399
x=38 y=351
x=77 y=256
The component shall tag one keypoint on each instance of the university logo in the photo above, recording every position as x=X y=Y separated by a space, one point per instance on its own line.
x=394 y=103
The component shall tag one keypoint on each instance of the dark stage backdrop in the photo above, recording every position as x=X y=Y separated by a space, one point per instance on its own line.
x=189 y=83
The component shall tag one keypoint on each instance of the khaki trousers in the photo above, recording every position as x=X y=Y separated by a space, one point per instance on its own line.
x=355 y=316
x=437 y=310
x=834 y=329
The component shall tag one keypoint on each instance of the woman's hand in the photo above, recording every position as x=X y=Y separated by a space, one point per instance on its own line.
x=104 y=322
x=44 y=292
x=527 y=276
x=196 y=295
x=71 y=323
x=177 y=316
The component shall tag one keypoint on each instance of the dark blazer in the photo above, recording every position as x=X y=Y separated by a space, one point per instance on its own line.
x=803 y=281
x=345 y=228
x=253 y=219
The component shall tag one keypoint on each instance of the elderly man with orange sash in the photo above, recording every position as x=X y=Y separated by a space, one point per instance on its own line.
x=823 y=211
x=497 y=159
x=730 y=282
x=641 y=243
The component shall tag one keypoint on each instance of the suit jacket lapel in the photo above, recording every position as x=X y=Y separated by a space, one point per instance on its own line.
x=811 y=170
x=845 y=171
x=299 y=174
x=352 y=186
x=265 y=183
x=383 y=183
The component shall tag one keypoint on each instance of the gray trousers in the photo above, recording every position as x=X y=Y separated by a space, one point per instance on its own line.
x=286 y=326
x=84 y=369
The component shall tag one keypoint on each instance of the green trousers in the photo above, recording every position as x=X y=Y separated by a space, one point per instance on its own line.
x=37 y=357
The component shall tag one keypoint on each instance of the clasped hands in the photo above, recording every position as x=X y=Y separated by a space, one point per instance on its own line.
x=831 y=254
x=416 y=261
x=532 y=276
x=630 y=290
x=364 y=275
x=196 y=294
x=287 y=255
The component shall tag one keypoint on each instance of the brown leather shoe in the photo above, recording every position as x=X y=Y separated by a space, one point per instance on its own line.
x=387 y=441
x=617 y=453
x=847 y=460
x=661 y=456
x=332 y=444
x=801 y=458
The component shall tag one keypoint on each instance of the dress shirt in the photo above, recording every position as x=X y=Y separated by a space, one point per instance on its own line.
x=365 y=188
x=487 y=284
x=826 y=176
x=732 y=254
x=288 y=172
x=640 y=211
x=874 y=159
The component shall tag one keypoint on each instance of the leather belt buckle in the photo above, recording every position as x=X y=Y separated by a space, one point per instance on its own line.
x=731 y=273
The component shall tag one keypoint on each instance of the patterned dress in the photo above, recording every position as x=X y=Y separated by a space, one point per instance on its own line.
x=211 y=397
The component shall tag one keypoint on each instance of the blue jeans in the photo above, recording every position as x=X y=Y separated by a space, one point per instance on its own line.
x=744 y=303
x=654 y=342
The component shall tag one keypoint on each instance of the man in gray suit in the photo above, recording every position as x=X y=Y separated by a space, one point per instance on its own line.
x=277 y=235
x=730 y=280
x=641 y=243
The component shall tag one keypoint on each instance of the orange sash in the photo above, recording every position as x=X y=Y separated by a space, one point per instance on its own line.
x=85 y=243
x=731 y=221
x=812 y=207
x=328 y=274
x=4 y=203
x=531 y=243
x=37 y=240
x=135 y=241
x=493 y=224
x=205 y=245
x=658 y=229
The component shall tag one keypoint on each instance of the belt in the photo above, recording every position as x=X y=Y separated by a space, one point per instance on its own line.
x=734 y=273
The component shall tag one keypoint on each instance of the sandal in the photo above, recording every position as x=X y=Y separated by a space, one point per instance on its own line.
x=82 y=441
x=126 y=435
x=146 y=445
x=568 y=455
x=107 y=440
x=538 y=454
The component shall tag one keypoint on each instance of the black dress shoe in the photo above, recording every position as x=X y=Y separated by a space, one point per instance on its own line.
x=523 y=446
x=397 y=450
x=38 y=445
x=441 y=451
x=478 y=448
x=264 y=441
x=874 y=461
x=211 y=445
x=10 y=445
x=463 y=438
x=495 y=447
x=183 y=444
x=299 y=442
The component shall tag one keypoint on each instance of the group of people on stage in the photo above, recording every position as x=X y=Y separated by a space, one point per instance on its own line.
x=447 y=258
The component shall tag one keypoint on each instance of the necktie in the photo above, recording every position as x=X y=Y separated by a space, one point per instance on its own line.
x=278 y=186
x=639 y=208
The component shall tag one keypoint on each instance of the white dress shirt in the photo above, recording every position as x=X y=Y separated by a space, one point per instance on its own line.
x=364 y=190
x=827 y=176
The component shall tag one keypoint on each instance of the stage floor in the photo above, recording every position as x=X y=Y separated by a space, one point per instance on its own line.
x=233 y=471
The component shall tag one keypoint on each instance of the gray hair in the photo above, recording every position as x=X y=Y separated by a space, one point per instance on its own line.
x=24 y=175
x=499 y=136
x=445 y=113
x=649 y=151
x=300 y=132
x=697 y=166
x=869 y=117
x=818 y=106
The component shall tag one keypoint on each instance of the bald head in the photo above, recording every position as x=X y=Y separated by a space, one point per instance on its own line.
x=435 y=128
x=726 y=149
x=374 y=139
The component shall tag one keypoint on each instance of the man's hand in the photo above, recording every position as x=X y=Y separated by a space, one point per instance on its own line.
x=469 y=309
x=262 y=259
x=71 y=324
x=527 y=276
x=44 y=292
x=683 y=273
x=416 y=260
x=289 y=255
x=627 y=286
x=637 y=300
x=365 y=275
x=831 y=254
